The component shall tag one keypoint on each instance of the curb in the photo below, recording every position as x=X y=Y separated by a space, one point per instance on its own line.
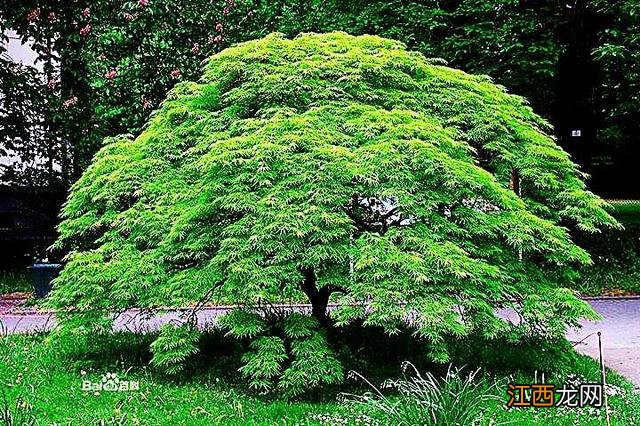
x=598 y=298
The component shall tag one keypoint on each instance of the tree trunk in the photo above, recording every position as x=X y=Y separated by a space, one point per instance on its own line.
x=319 y=306
x=49 y=137
x=514 y=182
x=319 y=298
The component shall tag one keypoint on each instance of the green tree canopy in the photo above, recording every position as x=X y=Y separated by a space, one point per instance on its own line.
x=330 y=167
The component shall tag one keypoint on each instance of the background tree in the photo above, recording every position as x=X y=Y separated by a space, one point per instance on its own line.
x=54 y=32
x=618 y=55
x=572 y=60
x=108 y=64
x=477 y=36
x=329 y=167
x=22 y=111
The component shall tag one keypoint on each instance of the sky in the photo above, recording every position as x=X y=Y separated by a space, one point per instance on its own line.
x=20 y=52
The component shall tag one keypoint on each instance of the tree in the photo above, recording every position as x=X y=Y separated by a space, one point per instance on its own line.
x=21 y=121
x=108 y=64
x=53 y=32
x=330 y=167
x=618 y=53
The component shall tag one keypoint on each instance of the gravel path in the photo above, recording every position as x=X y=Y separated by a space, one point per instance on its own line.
x=620 y=329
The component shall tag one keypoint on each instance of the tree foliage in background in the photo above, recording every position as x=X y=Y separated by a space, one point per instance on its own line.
x=22 y=109
x=329 y=167
x=66 y=131
x=619 y=56
x=141 y=49
x=108 y=64
x=119 y=58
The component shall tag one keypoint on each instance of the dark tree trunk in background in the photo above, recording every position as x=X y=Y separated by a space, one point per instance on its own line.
x=72 y=70
x=50 y=134
x=577 y=114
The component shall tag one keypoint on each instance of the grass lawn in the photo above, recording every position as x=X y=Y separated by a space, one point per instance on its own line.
x=15 y=281
x=51 y=385
x=617 y=278
x=43 y=382
x=616 y=256
x=626 y=211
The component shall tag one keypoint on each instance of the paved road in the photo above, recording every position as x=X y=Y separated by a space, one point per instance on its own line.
x=620 y=330
x=131 y=320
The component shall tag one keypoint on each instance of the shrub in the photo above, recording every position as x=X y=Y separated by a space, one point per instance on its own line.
x=329 y=167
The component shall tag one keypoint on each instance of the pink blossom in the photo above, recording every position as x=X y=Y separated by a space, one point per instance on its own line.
x=111 y=74
x=143 y=3
x=226 y=10
x=52 y=83
x=34 y=15
x=85 y=30
x=146 y=103
x=70 y=102
x=219 y=27
x=52 y=16
x=175 y=73
x=86 y=12
x=195 y=49
x=218 y=39
x=128 y=17
x=231 y=3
